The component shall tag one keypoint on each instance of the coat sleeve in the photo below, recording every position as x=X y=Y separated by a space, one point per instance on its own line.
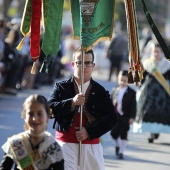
x=133 y=105
x=6 y=163
x=60 y=101
x=104 y=112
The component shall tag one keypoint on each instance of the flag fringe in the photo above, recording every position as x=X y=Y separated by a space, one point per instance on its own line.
x=95 y=43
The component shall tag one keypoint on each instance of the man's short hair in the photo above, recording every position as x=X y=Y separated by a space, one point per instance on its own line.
x=86 y=52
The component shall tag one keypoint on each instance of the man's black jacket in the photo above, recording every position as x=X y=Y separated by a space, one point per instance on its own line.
x=99 y=105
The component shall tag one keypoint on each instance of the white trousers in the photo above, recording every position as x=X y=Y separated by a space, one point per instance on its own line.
x=91 y=157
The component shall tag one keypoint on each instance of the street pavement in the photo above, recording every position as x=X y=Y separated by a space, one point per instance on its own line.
x=139 y=154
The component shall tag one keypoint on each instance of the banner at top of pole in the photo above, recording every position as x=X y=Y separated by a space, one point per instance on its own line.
x=93 y=21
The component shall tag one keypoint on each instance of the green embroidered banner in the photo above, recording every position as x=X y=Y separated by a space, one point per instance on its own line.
x=92 y=21
x=53 y=22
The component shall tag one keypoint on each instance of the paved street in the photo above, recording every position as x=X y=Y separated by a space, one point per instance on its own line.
x=139 y=154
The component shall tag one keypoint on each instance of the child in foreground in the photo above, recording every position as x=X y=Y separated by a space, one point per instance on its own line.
x=35 y=148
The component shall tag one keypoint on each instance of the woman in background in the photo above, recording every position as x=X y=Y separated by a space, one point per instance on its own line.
x=154 y=100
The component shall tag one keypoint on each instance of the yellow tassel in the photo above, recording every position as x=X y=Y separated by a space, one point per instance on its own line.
x=33 y=70
x=51 y=114
x=20 y=45
x=142 y=67
x=140 y=73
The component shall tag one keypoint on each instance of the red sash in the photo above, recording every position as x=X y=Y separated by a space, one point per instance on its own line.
x=70 y=136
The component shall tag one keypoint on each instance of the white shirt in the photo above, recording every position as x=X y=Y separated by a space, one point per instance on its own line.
x=119 y=99
x=85 y=86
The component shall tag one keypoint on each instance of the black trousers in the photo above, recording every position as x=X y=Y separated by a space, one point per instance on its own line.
x=121 y=130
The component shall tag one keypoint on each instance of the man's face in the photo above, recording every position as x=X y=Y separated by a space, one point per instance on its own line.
x=88 y=66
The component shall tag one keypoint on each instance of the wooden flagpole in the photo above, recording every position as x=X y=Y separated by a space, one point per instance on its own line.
x=81 y=107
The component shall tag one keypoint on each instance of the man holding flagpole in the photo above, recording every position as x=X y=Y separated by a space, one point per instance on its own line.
x=82 y=108
x=98 y=116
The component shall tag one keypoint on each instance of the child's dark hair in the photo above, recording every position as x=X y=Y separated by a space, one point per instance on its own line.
x=123 y=73
x=157 y=45
x=37 y=99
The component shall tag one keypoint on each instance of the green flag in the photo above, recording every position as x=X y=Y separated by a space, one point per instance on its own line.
x=92 y=21
x=53 y=22
x=52 y=17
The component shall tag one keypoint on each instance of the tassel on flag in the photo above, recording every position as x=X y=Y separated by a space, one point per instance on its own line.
x=25 y=23
x=20 y=45
x=134 y=55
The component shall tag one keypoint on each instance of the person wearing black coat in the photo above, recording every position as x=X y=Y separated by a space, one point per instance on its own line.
x=124 y=99
x=98 y=116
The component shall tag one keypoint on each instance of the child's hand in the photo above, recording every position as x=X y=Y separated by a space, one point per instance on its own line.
x=131 y=120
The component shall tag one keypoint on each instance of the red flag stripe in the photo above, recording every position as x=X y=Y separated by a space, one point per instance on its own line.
x=35 y=30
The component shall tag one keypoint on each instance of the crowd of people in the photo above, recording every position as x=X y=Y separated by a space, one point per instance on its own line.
x=15 y=65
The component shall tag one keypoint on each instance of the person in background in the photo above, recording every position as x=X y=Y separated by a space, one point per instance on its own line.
x=98 y=117
x=2 y=47
x=153 y=101
x=117 y=53
x=34 y=148
x=124 y=99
